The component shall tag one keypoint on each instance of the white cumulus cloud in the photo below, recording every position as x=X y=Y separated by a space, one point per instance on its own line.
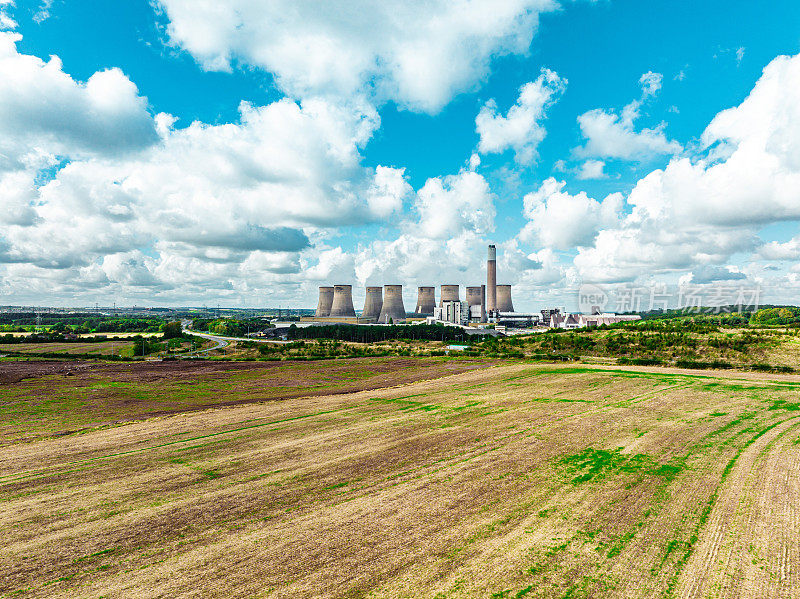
x=43 y=107
x=418 y=53
x=131 y=202
x=449 y=205
x=562 y=221
x=612 y=135
x=592 y=169
x=701 y=211
x=521 y=128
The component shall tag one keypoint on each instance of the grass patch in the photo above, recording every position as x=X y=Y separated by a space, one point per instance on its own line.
x=782 y=404
x=596 y=464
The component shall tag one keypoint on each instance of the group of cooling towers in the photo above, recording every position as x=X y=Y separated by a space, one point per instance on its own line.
x=384 y=305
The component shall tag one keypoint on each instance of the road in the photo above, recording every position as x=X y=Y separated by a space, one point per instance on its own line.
x=220 y=340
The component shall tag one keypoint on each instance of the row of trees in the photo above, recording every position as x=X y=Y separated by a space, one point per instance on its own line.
x=780 y=316
x=81 y=324
x=649 y=342
x=728 y=317
x=365 y=334
x=229 y=327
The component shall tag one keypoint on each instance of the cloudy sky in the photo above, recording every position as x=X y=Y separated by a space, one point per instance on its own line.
x=190 y=152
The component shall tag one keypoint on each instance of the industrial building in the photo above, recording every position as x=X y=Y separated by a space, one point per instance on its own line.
x=450 y=293
x=325 y=302
x=503 y=295
x=343 y=301
x=487 y=303
x=476 y=300
x=453 y=312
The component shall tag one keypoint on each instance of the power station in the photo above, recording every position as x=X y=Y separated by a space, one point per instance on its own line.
x=384 y=305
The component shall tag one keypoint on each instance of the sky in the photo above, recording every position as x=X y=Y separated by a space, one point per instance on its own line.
x=243 y=153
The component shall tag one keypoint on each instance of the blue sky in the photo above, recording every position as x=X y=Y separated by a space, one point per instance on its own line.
x=363 y=153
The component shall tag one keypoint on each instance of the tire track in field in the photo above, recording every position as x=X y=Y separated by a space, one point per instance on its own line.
x=771 y=550
x=722 y=562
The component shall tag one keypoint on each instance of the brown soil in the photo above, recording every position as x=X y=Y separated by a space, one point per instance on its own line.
x=96 y=394
x=17 y=370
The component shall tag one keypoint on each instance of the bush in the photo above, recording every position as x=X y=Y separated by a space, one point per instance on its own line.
x=171 y=330
x=716 y=364
x=143 y=346
x=770 y=368
x=781 y=315
x=640 y=361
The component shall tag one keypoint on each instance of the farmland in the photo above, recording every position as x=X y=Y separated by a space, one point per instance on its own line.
x=440 y=478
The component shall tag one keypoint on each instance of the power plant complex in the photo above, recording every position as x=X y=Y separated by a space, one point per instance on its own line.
x=384 y=305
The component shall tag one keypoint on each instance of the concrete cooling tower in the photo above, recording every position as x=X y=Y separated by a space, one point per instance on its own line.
x=373 y=303
x=504 y=299
x=491 y=280
x=426 y=301
x=342 y=301
x=449 y=293
x=393 y=309
x=325 y=302
x=474 y=296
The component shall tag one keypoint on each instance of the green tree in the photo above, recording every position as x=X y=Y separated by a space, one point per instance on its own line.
x=143 y=346
x=171 y=330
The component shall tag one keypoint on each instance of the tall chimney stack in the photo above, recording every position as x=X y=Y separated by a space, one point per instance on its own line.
x=491 y=280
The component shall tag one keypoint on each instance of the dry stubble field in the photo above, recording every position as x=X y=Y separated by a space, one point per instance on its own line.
x=506 y=481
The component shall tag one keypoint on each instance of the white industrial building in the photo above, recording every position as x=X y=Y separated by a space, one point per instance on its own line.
x=452 y=311
x=559 y=320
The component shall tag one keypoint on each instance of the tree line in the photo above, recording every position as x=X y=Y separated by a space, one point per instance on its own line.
x=372 y=334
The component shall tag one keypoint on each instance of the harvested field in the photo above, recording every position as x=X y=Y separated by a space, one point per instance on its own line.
x=42 y=398
x=512 y=481
x=100 y=348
